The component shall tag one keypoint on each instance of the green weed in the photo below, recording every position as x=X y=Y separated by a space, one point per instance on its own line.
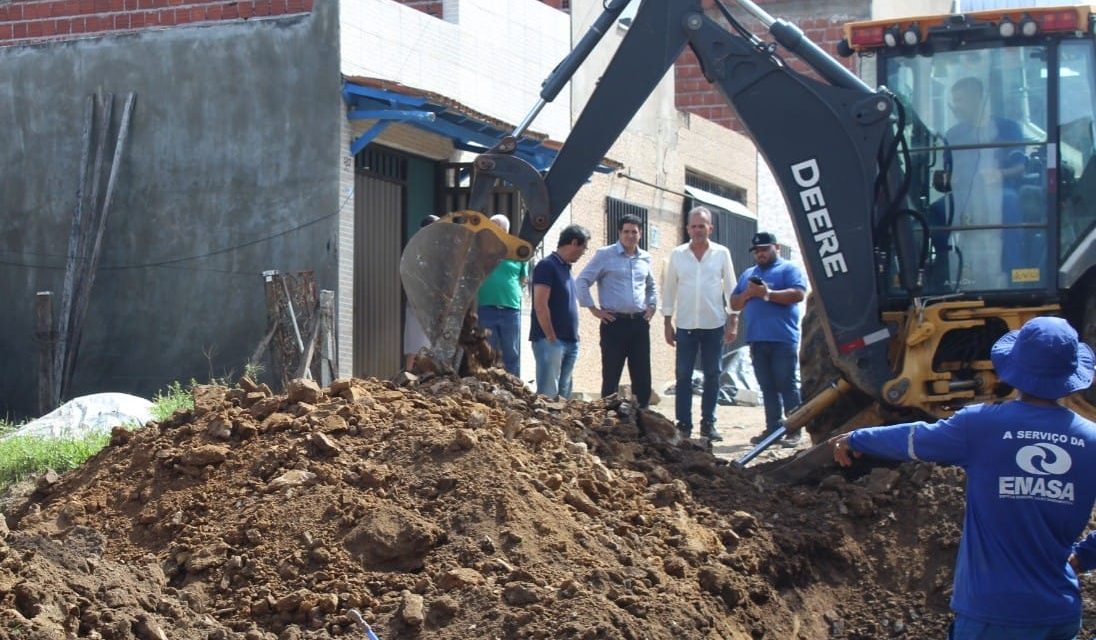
x=172 y=399
x=26 y=456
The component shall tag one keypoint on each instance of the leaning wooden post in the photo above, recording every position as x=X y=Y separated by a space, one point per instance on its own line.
x=47 y=341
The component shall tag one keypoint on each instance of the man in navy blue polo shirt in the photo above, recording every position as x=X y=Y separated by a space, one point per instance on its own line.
x=769 y=294
x=1031 y=484
x=554 y=331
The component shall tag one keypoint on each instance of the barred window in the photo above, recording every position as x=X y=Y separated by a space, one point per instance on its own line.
x=617 y=209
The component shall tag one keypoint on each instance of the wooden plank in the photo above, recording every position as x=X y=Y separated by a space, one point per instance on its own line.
x=261 y=349
x=43 y=331
x=77 y=229
x=84 y=298
x=304 y=370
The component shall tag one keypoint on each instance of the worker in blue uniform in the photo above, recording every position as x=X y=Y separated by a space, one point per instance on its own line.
x=1031 y=483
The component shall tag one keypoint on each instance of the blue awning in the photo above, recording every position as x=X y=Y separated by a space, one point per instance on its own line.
x=444 y=118
x=386 y=102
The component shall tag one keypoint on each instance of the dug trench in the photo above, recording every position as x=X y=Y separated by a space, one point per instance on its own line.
x=463 y=508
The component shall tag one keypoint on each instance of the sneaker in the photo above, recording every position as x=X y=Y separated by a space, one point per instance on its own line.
x=792 y=441
x=686 y=430
x=707 y=430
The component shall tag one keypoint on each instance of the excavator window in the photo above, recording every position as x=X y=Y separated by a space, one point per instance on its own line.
x=1076 y=144
x=976 y=122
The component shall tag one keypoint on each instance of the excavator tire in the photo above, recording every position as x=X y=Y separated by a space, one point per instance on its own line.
x=817 y=372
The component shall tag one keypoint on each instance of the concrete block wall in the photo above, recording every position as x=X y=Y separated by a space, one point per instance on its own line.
x=31 y=21
x=215 y=187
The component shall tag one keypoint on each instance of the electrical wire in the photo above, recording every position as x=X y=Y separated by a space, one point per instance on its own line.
x=174 y=261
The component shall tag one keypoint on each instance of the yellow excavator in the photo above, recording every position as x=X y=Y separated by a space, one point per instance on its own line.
x=936 y=211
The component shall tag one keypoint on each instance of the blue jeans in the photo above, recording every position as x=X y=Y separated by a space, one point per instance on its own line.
x=555 y=364
x=776 y=365
x=505 y=326
x=965 y=628
x=709 y=342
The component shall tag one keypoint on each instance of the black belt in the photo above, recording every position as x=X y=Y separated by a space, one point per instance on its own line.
x=627 y=316
x=499 y=307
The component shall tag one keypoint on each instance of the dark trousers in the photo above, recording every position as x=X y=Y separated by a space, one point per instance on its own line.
x=776 y=365
x=709 y=344
x=626 y=338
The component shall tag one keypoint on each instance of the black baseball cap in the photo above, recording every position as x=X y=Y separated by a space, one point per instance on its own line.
x=762 y=238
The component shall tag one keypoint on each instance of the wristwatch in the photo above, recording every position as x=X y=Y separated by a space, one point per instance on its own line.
x=765 y=297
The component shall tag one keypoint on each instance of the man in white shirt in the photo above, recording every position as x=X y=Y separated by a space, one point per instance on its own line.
x=698 y=283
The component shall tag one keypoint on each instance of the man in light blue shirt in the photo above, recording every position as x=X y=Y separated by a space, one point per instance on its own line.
x=626 y=302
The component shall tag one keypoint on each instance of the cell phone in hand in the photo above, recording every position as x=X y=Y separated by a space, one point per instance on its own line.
x=756 y=280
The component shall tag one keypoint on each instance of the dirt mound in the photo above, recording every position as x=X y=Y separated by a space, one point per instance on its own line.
x=463 y=508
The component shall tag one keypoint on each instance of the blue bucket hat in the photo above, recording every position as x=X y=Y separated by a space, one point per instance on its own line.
x=1044 y=358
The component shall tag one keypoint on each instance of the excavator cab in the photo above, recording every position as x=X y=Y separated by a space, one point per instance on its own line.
x=997 y=111
x=999 y=120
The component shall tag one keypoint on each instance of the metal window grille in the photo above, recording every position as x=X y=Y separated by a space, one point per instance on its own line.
x=381 y=163
x=617 y=209
x=698 y=181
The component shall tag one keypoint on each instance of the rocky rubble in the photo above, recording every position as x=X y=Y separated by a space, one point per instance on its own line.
x=462 y=508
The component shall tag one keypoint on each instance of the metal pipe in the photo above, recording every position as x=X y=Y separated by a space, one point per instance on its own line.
x=799 y=418
x=777 y=434
x=566 y=68
x=792 y=38
x=758 y=13
x=528 y=120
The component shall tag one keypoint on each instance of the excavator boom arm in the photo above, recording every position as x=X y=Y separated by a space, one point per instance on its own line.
x=822 y=140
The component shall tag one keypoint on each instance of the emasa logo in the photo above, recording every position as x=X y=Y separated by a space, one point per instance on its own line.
x=1044 y=459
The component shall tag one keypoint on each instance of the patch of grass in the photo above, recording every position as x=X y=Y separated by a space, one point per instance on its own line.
x=25 y=456
x=172 y=399
x=7 y=426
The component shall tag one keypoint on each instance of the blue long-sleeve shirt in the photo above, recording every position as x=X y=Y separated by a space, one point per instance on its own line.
x=1086 y=552
x=624 y=282
x=1031 y=484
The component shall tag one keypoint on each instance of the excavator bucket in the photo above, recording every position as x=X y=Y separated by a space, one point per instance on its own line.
x=441 y=269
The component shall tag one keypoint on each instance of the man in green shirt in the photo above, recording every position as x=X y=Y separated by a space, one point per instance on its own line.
x=499 y=302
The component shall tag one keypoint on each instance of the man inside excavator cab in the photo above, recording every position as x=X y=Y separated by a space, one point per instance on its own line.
x=981 y=183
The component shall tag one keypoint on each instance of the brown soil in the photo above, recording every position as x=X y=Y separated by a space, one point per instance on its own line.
x=463 y=508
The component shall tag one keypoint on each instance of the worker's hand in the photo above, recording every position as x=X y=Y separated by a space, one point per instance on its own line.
x=730 y=332
x=1075 y=562
x=842 y=450
x=668 y=331
x=649 y=313
x=602 y=315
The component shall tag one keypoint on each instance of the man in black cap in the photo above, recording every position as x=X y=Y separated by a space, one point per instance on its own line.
x=769 y=294
x=1031 y=483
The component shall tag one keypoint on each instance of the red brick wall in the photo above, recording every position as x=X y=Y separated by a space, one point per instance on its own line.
x=28 y=21
x=696 y=95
